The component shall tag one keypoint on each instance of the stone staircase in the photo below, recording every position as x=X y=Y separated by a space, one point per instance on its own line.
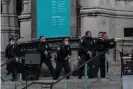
x=74 y=82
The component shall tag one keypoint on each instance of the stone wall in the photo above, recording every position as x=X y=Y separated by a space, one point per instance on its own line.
x=106 y=15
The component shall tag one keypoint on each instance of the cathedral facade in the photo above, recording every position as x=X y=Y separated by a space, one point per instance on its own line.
x=112 y=16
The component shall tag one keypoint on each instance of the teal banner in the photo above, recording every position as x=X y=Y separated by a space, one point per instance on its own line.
x=53 y=18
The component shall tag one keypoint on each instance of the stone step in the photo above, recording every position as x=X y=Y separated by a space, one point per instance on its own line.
x=113 y=71
x=72 y=83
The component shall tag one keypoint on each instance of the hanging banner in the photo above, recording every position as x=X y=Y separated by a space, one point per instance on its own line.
x=53 y=18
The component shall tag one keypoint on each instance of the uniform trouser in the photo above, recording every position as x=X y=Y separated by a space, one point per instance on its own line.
x=8 y=67
x=13 y=67
x=107 y=63
x=48 y=62
x=59 y=66
x=107 y=66
x=102 y=66
x=93 y=70
x=84 y=58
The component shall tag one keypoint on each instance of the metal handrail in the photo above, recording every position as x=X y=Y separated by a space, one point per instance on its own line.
x=3 y=64
x=53 y=83
x=37 y=83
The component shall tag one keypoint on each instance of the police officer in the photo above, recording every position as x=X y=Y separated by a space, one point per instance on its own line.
x=96 y=45
x=17 y=54
x=9 y=55
x=100 y=47
x=63 y=57
x=107 y=51
x=110 y=43
x=103 y=45
x=45 y=51
x=85 y=49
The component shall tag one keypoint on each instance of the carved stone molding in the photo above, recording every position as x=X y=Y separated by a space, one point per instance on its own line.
x=25 y=17
x=5 y=1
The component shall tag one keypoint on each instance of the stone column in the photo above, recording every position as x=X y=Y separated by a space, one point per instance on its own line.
x=4 y=24
x=5 y=13
x=26 y=6
x=13 y=18
x=25 y=20
x=29 y=6
x=12 y=7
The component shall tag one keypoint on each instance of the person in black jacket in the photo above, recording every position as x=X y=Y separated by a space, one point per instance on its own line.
x=85 y=48
x=9 y=55
x=45 y=51
x=63 y=57
x=103 y=45
x=8 y=48
x=17 y=54
x=110 y=43
x=96 y=61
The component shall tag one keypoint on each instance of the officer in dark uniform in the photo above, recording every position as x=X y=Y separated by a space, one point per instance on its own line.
x=63 y=57
x=97 y=61
x=9 y=55
x=45 y=50
x=102 y=45
x=16 y=63
x=85 y=50
x=110 y=43
x=106 y=50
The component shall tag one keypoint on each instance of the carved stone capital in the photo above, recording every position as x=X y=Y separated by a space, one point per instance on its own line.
x=26 y=6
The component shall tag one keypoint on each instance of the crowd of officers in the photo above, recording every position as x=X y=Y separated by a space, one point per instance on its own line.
x=88 y=48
